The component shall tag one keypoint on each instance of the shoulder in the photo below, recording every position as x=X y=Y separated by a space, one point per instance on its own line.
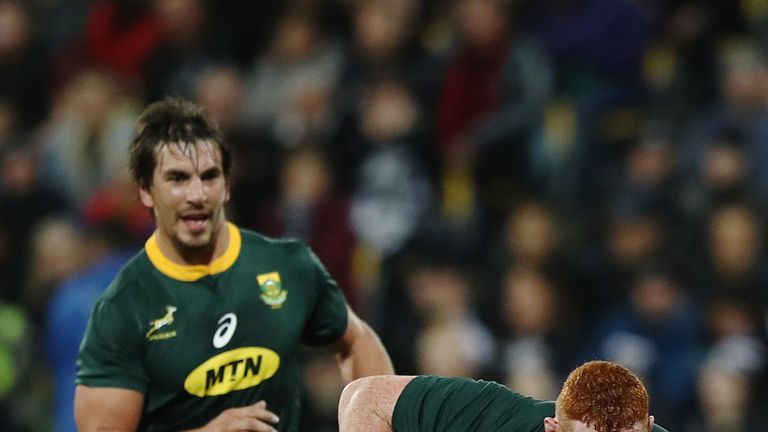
x=467 y=404
x=253 y=242
x=254 y=239
x=129 y=278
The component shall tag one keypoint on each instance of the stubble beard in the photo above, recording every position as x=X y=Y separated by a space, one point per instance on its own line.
x=197 y=248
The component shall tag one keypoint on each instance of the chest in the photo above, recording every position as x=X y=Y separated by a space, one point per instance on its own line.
x=231 y=330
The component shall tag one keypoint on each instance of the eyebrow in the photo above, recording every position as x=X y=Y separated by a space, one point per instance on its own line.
x=175 y=172
x=215 y=170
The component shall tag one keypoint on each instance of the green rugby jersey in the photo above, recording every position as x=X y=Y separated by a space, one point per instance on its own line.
x=438 y=404
x=196 y=340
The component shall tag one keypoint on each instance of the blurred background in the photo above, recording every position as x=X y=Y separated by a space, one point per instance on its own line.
x=503 y=188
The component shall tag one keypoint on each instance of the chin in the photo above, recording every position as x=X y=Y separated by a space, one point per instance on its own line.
x=200 y=241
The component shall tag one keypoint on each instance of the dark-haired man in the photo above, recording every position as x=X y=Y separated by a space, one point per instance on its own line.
x=201 y=329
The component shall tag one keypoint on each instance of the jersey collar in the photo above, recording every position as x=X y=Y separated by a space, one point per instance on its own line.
x=190 y=273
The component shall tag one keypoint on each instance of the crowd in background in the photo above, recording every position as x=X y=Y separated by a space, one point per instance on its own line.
x=503 y=188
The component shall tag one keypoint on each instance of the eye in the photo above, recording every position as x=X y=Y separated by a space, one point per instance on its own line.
x=211 y=174
x=177 y=177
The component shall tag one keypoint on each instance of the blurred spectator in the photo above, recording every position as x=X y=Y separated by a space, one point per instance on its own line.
x=597 y=49
x=741 y=109
x=219 y=89
x=106 y=246
x=120 y=37
x=322 y=388
x=453 y=348
x=65 y=23
x=633 y=237
x=645 y=186
x=56 y=253
x=688 y=36
x=289 y=88
x=86 y=138
x=24 y=202
x=494 y=91
x=243 y=28
x=393 y=190
x=657 y=334
x=384 y=46
x=532 y=343
x=648 y=171
x=733 y=264
x=433 y=300
x=724 y=393
x=306 y=204
x=17 y=345
x=723 y=174
x=728 y=377
x=533 y=238
x=116 y=205
x=183 y=52
x=451 y=340
x=24 y=69
x=385 y=43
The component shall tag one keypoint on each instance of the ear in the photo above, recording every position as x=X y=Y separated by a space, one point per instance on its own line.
x=550 y=424
x=651 y=422
x=146 y=198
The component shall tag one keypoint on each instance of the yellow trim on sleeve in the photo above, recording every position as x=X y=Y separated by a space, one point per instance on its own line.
x=190 y=273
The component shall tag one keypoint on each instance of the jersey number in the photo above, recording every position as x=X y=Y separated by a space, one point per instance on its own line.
x=227 y=326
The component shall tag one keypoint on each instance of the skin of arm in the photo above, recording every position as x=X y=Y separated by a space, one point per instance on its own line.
x=367 y=404
x=107 y=409
x=101 y=409
x=360 y=352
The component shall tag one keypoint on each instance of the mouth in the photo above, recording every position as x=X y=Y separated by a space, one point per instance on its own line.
x=196 y=223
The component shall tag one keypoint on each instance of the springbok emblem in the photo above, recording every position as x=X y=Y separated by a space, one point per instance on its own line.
x=157 y=324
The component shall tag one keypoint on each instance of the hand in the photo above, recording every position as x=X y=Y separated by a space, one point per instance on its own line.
x=255 y=418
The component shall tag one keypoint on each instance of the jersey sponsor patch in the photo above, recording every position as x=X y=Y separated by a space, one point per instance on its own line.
x=166 y=320
x=236 y=369
x=272 y=292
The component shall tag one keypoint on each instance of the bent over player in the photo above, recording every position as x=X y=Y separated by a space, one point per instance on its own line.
x=201 y=329
x=598 y=396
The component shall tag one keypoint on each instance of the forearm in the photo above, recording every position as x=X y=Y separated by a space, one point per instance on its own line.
x=366 y=356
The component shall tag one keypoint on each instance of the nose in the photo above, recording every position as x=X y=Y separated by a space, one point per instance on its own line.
x=196 y=191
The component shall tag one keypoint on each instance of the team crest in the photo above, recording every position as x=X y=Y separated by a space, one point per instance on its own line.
x=272 y=292
x=155 y=325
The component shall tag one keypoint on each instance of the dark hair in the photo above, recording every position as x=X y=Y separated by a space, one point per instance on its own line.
x=171 y=121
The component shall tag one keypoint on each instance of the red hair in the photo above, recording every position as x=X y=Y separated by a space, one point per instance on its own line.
x=603 y=395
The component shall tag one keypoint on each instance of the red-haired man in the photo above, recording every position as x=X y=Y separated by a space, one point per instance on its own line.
x=598 y=396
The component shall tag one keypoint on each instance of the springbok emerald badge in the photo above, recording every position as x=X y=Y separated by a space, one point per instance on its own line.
x=272 y=292
x=157 y=324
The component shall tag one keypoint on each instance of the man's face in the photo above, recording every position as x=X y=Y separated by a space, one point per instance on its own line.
x=187 y=195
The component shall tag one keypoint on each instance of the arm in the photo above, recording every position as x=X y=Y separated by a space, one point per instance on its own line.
x=360 y=352
x=119 y=410
x=107 y=409
x=367 y=404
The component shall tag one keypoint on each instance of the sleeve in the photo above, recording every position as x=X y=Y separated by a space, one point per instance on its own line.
x=448 y=404
x=111 y=351
x=328 y=319
x=657 y=428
